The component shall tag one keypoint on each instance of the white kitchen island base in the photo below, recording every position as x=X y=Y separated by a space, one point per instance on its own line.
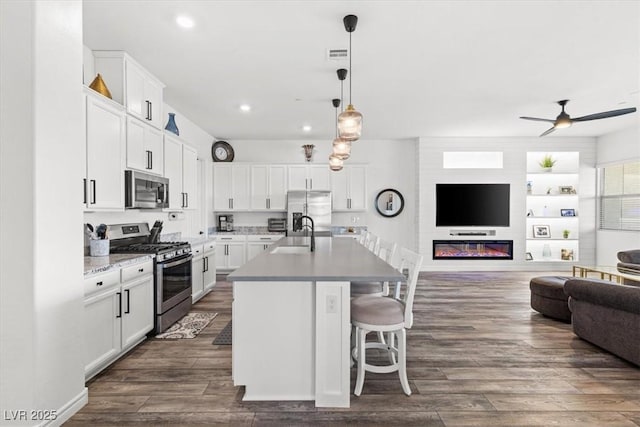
x=291 y=341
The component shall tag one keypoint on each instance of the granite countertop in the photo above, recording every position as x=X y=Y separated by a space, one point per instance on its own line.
x=102 y=264
x=334 y=259
x=198 y=240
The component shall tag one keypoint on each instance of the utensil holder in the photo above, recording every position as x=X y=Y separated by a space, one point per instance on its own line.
x=99 y=247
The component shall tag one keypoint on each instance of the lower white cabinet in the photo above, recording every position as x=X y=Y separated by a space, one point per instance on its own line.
x=256 y=244
x=230 y=252
x=203 y=267
x=118 y=313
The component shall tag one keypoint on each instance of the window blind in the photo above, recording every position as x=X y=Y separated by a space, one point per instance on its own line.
x=620 y=197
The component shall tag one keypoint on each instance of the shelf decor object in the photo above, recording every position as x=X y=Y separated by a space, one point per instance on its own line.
x=565 y=233
x=100 y=86
x=171 y=124
x=547 y=163
x=546 y=252
x=350 y=120
x=567 y=212
x=541 y=231
x=566 y=254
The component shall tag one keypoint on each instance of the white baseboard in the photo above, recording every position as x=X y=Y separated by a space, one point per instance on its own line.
x=69 y=409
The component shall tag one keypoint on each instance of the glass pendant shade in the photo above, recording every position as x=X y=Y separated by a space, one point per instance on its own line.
x=335 y=163
x=341 y=148
x=350 y=124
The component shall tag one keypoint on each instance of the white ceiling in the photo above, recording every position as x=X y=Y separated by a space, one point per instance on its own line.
x=421 y=68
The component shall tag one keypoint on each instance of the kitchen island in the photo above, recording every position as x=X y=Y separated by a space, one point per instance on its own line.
x=292 y=322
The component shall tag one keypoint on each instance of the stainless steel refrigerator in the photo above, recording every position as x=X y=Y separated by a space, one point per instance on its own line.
x=316 y=204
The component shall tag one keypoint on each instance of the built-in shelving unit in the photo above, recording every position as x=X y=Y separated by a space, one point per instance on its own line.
x=552 y=208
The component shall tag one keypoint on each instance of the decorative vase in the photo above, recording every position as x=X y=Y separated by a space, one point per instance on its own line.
x=99 y=86
x=171 y=124
x=546 y=251
x=547 y=169
x=308 y=151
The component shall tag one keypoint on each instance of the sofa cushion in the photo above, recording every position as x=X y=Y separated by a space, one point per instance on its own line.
x=602 y=292
x=630 y=257
x=549 y=286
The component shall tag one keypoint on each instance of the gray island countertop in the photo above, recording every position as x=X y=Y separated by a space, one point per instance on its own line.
x=334 y=259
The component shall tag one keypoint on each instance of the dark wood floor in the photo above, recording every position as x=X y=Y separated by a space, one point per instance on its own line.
x=478 y=356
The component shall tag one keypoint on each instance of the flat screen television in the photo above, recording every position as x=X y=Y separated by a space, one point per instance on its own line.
x=472 y=205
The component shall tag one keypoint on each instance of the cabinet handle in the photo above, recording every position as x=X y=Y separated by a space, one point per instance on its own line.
x=99 y=284
x=127 y=311
x=147 y=102
x=205 y=264
x=226 y=249
x=310 y=183
x=148 y=159
x=140 y=270
x=84 y=190
x=93 y=192
x=265 y=238
x=183 y=205
x=187 y=196
x=119 y=305
x=150 y=110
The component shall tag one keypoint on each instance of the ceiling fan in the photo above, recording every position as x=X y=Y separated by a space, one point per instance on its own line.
x=564 y=120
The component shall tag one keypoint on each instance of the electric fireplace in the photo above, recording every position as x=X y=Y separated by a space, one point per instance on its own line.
x=473 y=249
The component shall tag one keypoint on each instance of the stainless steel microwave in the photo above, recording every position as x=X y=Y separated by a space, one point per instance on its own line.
x=145 y=191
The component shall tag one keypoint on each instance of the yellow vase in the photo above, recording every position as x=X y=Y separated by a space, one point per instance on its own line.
x=99 y=86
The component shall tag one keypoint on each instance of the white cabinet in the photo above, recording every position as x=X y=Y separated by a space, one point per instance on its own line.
x=131 y=85
x=552 y=231
x=256 y=244
x=118 y=313
x=181 y=167
x=268 y=187
x=203 y=269
x=231 y=187
x=105 y=143
x=144 y=147
x=349 y=188
x=309 y=177
x=230 y=252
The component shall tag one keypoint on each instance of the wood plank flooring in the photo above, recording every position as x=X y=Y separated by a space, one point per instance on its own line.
x=477 y=356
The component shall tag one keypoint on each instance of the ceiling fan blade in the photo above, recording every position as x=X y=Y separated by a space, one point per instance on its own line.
x=538 y=119
x=548 y=131
x=604 y=115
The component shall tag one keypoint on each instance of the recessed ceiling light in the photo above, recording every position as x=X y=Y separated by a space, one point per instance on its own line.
x=184 y=21
x=245 y=108
x=306 y=128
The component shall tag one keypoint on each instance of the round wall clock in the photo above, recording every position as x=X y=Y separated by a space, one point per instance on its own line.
x=221 y=151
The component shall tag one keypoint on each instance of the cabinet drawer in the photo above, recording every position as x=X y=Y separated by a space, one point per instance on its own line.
x=264 y=237
x=138 y=270
x=100 y=282
x=232 y=238
x=197 y=250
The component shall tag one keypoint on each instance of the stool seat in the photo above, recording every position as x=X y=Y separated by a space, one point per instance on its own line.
x=548 y=297
x=375 y=310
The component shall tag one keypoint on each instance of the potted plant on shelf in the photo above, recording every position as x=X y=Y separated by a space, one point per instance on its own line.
x=565 y=234
x=547 y=163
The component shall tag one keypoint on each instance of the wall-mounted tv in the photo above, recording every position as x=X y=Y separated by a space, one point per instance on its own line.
x=472 y=205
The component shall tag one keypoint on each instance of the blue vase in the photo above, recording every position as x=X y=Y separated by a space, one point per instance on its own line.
x=171 y=124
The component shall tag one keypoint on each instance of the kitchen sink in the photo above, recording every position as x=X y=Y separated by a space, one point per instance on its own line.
x=291 y=250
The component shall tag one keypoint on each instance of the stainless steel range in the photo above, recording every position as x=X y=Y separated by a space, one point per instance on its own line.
x=172 y=270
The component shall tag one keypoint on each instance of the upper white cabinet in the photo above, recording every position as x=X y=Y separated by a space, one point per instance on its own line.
x=105 y=143
x=181 y=167
x=144 y=147
x=131 y=85
x=309 y=177
x=231 y=183
x=269 y=187
x=349 y=189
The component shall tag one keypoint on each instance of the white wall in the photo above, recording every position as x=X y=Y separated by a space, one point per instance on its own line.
x=615 y=148
x=391 y=164
x=431 y=171
x=41 y=270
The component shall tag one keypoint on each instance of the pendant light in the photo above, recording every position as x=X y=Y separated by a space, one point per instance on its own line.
x=341 y=147
x=350 y=120
x=335 y=163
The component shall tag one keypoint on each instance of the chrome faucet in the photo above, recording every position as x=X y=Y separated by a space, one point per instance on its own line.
x=297 y=226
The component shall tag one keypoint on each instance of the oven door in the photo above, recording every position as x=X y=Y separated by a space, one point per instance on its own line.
x=174 y=282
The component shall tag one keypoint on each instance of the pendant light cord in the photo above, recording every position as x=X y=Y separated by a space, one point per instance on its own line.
x=336 y=116
x=350 y=74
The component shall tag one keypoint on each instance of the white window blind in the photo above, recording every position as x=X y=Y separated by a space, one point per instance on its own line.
x=620 y=197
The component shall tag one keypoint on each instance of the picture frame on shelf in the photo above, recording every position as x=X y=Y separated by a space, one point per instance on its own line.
x=566 y=254
x=566 y=189
x=567 y=212
x=541 y=231
x=530 y=212
x=528 y=256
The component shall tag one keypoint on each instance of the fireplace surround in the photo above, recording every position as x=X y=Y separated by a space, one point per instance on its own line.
x=473 y=249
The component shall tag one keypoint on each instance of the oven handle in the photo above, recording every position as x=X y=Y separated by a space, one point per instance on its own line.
x=176 y=262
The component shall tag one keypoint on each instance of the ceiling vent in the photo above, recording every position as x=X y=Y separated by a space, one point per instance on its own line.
x=337 y=54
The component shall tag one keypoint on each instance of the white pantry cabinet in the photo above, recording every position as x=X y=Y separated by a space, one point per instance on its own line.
x=269 y=187
x=309 y=177
x=349 y=188
x=230 y=252
x=144 y=147
x=105 y=144
x=131 y=85
x=231 y=184
x=203 y=267
x=118 y=313
x=181 y=168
